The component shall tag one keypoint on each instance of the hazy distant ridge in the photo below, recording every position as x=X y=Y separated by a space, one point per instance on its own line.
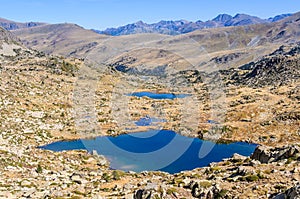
x=12 y=25
x=183 y=26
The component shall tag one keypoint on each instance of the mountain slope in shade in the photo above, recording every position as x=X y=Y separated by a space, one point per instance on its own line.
x=279 y=17
x=243 y=19
x=12 y=25
x=183 y=26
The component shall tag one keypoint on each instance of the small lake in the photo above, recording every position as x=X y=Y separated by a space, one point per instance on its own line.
x=147 y=121
x=158 y=95
x=162 y=150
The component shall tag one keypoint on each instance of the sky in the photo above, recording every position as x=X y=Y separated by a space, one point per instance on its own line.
x=101 y=14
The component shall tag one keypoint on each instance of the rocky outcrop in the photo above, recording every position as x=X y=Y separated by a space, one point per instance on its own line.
x=292 y=193
x=267 y=154
x=279 y=68
x=226 y=58
x=289 y=116
x=204 y=189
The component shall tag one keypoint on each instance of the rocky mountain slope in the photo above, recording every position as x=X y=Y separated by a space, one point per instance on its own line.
x=12 y=25
x=183 y=26
x=279 y=68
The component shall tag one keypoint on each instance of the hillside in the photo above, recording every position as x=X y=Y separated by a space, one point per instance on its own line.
x=61 y=39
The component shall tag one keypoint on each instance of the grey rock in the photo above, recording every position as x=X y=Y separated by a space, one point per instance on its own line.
x=76 y=178
x=25 y=183
x=241 y=170
x=94 y=153
x=143 y=194
x=201 y=192
x=267 y=154
x=29 y=193
x=128 y=186
x=238 y=158
x=292 y=193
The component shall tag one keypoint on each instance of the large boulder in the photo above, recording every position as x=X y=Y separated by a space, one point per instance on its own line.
x=292 y=193
x=267 y=154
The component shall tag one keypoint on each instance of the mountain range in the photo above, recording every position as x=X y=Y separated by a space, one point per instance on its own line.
x=163 y=27
x=184 y=26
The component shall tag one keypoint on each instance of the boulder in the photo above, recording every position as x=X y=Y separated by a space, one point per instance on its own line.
x=243 y=171
x=238 y=158
x=25 y=183
x=143 y=194
x=267 y=154
x=204 y=192
x=292 y=193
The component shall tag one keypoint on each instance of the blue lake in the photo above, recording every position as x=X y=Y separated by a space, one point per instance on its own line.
x=162 y=150
x=158 y=95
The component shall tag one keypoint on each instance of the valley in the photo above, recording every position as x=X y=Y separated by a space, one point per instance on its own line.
x=61 y=82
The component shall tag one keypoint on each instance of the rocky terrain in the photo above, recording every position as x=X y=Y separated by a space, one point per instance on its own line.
x=37 y=107
x=183 y=26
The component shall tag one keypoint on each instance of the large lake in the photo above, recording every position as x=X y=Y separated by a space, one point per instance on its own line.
x=162 y=150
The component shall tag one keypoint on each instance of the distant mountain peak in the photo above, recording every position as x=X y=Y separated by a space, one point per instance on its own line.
x=241 y=15
x=279 y=17
x=140 y=23
x=222 y=18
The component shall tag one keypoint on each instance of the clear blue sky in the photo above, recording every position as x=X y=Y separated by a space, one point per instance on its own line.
x=100 y=14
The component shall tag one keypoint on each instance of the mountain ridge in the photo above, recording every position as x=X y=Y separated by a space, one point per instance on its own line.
x=183 y=26
x=13 y=25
